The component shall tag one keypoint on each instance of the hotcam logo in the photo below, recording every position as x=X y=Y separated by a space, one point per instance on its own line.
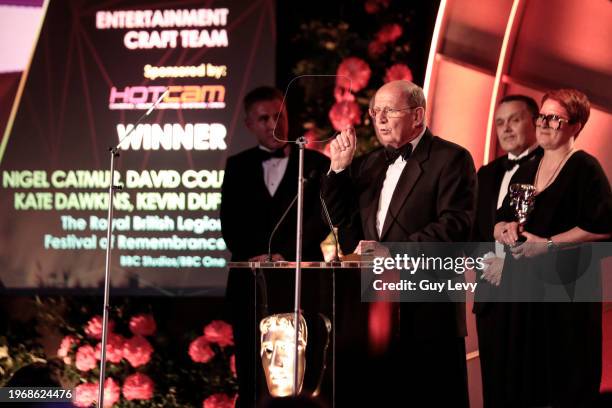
x=173 y=136
x=178 y=97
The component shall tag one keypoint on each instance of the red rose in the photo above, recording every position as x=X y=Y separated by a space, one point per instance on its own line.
x=233 y=364
x=311 y=139
x=143 y=325
x=353 y=74
x=344 y=114
x=200 y=351
x=112 y=392
x=398 y=72
x=66 y=345
x=389 y=33
x=138 y=387
x=94 y=327
x=85 y=394
x=114 y=348
x=219 y=332
x=219 y=401
x=343 y=94
x=137 y=351
x=375 y=48
x=86 y=358
x=314 y=142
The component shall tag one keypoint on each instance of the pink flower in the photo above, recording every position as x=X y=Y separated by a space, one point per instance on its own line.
x=344 y=114
x=353 y=74
x=311 y=137
x=114 y=348
x=398 y=72
x=94 y=327
x=343 y=94
x=137 y=351
x=86 y=358
x=200 y=351
x=87 y=394
x=143 y=324
x=374 y=6
x=66 y=345
x=375 y=48
x=314 y=142
x=219 y=401
x=138 y=387
x=389 y=33
x=233 y=364
x=219 y=332
x=112 y=392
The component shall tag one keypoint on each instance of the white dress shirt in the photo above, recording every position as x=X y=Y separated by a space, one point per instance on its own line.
x=391 y=178
x=273 y=171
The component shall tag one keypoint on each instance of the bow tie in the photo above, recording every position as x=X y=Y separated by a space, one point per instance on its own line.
x=391 y=153
x=265 y=155
x=510 y=163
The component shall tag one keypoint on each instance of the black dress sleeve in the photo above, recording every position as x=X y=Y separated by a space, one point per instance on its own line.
x=595 y=211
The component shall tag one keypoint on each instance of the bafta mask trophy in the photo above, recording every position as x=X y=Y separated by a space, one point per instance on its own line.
x=277 y=352
x=522 y=197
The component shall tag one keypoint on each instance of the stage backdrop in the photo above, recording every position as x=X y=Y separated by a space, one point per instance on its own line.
x=95 y=70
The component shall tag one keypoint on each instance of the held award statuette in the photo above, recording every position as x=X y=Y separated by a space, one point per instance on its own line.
x=522 y=198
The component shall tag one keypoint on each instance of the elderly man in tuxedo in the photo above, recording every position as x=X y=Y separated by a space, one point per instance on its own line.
x=260 y=184
x=515 y=127
x=417 y=187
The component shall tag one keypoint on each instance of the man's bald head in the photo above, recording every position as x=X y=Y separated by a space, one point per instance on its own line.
x=411 y=93
x=398 y=112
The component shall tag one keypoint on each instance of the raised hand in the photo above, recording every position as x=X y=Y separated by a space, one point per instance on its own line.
x=342 y=149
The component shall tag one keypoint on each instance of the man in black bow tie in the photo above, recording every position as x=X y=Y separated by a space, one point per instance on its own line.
x=416 y=188
x=515 y=128
x=259 y=185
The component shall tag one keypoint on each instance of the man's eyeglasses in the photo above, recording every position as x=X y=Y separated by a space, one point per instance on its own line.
x=389 y=112
x=551 y=121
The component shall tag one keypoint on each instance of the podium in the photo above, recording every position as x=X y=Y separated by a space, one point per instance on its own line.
x=335 y=316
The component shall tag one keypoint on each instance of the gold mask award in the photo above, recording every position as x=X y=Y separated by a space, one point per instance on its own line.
x=277 y=352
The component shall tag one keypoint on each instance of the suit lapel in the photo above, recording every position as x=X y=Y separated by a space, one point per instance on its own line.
x=500 y=171
x=256 y=175
x=408 y=179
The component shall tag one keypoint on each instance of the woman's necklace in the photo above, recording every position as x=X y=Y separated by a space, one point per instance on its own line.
x=552 y=177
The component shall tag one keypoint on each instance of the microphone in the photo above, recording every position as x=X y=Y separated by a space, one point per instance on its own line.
x=330 y=224
x=311 y=176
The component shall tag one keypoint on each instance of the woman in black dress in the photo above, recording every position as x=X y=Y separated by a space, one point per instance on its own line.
x=554 y=349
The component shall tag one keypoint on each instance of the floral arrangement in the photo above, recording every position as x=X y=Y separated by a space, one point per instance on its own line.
x=137 y=376
x=147 y=365
x=363 y=57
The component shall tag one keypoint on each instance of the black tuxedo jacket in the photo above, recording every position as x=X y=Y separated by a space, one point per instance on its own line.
x=249 y=213
x=489 y=182
x=434 y=201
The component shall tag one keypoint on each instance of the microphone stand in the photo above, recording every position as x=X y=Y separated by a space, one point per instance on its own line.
x=109 y=220
x=301 y=143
